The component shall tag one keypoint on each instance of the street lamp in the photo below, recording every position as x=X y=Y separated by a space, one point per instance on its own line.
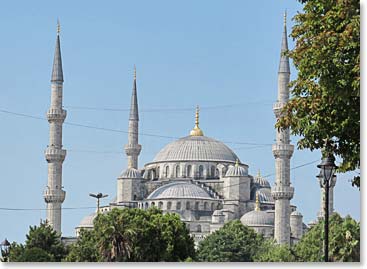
x=5 y=246
x=327 y=170
x=98 y=196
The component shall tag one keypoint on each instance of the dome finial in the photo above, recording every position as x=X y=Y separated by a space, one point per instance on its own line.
x=196 y=131
x=258 y=173
x=237 y=162
x=257 y=202
x=134 y=72
x=285 y=17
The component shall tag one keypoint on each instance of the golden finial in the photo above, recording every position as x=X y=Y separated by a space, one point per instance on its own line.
x=257 y=202
x=58 y=27
x=258 y=173
x=196 y=131
x=134 y=72
x=237 y=163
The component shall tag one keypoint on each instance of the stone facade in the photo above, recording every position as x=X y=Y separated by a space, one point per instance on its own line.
x=54 y=195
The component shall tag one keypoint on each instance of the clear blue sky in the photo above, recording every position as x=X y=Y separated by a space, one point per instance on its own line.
x=209 y=53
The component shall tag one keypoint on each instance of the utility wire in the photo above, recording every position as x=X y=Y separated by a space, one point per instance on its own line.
x=89 y=207
x=115 y=130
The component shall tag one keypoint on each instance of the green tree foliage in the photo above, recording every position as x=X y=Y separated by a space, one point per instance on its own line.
x=325 y=102
x=344 y=241
x=134 y=235
x=85 y=249
x=272 y=252
x=234 y=242
x=42 y=243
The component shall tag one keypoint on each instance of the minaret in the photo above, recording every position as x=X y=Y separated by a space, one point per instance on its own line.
x=282 y=192
x=321 y=213
x=133 y=148
x=55 y=155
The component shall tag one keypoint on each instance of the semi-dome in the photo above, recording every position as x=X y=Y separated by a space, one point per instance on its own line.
x=87 y=221
x=196 y=148
x=258 y=218
x=179 y=190
x=261 y=181
x=130 y=173
x=236 y=171
x=265 y=195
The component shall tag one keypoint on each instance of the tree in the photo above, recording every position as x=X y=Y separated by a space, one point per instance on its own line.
x=134 y=235
x=272 y=252
x=344 y=241
x=234 y=242
x=85 y=249
x=42 y=244
x=325 y=102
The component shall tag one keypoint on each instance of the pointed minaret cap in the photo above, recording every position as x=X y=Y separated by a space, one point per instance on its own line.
x=257 y=202
x=196 y=131
x=284 y=60
x=134 y=113
x=57 y=74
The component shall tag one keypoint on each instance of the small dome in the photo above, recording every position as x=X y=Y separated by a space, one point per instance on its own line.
x=87 y=222
x=296 y=213
x=236 y=171
x=265 y=195
x=130 y=173
x=258 y=218
x=179 y=190
x=261 y=181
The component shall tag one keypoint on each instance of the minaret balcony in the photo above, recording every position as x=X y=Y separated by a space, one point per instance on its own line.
x=56 y=115
x=54 y=196
x=282 y=192
x=282 y=150
x=131 y=150
x=277 y=108
x=54 y=154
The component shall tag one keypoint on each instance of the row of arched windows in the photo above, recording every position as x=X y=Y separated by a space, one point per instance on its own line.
x=188 y=171
x=206 y=206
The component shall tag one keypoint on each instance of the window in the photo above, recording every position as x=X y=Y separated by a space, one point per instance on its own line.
x=177 y=171
x=217 y=172
x=196 y=205
x=198 y=228
x=152 y=204
x=206 y=206
x=201 y=171
x=167 y=171
x=169 y=205
x=146 y=205
x=212 y=207
x=160 y=205
x=158 y=172
x=187 y=205
x=189 y=170
x=178 y=206
x=212 y=171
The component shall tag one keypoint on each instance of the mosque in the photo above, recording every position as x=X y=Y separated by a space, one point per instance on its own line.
x=196 y=176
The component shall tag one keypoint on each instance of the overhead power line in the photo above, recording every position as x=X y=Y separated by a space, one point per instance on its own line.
x=116 y=130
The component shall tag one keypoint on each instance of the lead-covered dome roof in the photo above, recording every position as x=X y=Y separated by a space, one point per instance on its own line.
x=258 y=218
x=87 y=221
x=196 y=148
x=179 y=190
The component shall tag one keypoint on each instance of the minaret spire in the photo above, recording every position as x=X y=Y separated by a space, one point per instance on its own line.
x=196 y=131
x=282 y=192
x=54 y=195
x=133 y=148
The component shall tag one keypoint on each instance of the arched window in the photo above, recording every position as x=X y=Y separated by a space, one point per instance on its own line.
x=189 y=171
x=187 y=205
x=146 y=205
x=201 y=171
x=152 y=204
x=134 y=197
x=178 y=206
x=206 y=206
x=212 y=207
x=198 y=228
x=212 y=171
x=196 y=205
x=169 y=205
x=158 y=172
x=177 y=174
x=167 y=171
x=160 y=205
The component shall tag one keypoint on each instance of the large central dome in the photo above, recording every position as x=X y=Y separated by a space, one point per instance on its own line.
x=196 y=148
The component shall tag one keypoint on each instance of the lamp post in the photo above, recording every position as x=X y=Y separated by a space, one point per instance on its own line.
x=98 y=196
x=5 y=245
x=327 y=170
